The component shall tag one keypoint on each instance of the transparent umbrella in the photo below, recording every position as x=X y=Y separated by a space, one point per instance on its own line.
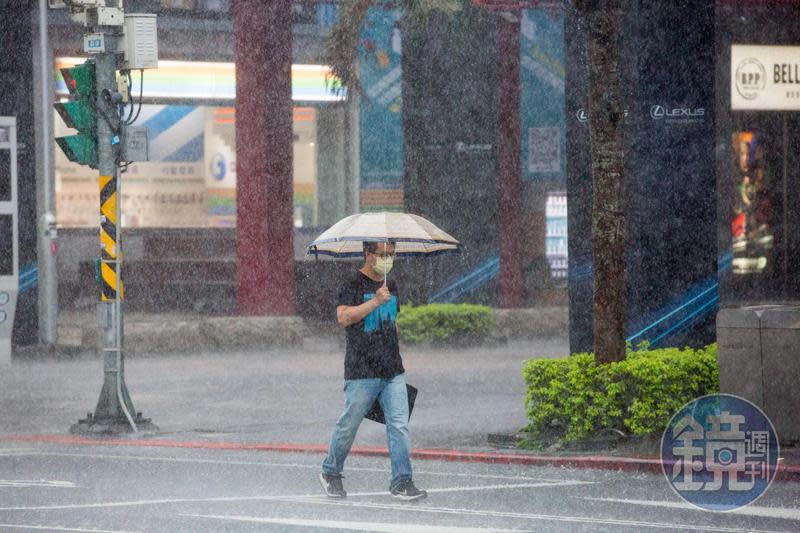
x=412 y=235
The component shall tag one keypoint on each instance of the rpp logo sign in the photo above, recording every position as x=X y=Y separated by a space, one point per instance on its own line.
x=751 y=78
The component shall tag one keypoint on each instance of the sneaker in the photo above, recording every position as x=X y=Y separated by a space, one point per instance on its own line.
x=332 y=485
x=406 y=490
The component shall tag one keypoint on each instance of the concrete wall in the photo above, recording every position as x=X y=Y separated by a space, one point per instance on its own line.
x=759 y=360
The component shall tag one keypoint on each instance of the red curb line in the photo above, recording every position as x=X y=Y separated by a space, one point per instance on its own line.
x=628 y=464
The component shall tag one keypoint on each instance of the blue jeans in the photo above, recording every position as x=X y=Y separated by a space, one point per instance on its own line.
x=360 y=394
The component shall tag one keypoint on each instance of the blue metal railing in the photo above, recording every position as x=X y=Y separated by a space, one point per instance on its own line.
x=470 y=281
x=28 y=277
x=700 y=300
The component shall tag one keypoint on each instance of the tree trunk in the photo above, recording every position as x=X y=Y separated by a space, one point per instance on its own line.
x=606 y=119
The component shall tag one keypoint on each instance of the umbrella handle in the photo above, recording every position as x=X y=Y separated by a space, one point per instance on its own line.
x=384 y=260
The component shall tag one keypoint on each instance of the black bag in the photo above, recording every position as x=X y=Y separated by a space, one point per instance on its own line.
x=376 y=413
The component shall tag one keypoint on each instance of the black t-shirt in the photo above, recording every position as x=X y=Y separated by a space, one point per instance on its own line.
x=372 y=347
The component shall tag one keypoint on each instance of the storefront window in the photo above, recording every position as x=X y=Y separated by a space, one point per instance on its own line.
x=556 y=234
x=759 y=180
x=753 y=220
x=190 y=179
x=758 y=197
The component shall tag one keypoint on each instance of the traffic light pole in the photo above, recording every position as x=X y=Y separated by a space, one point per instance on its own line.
x=114 y=412
x=45 y=201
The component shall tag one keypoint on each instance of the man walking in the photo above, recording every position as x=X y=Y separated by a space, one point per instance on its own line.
x=373 y=369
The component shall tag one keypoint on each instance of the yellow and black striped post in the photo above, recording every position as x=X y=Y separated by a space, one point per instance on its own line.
x=110 y=260
x=114 y=412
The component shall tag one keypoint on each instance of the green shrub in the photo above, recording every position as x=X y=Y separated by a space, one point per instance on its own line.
x=439 y=323
x=638 y=396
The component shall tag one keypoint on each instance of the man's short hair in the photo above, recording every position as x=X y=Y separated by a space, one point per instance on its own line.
x=372 y=246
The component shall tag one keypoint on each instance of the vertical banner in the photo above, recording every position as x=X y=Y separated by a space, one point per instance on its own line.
x=381 y=121
x=543 y=132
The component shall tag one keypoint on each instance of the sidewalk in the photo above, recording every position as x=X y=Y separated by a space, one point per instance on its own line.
x=276 y=394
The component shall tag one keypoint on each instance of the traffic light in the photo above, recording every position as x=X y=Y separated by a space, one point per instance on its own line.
x=80 y=114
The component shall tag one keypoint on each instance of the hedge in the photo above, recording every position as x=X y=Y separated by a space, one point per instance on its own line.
x=444 y=323
x=578 y=398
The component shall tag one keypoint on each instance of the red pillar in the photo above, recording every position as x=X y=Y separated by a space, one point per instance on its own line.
x=508 y=131
x=264 y=191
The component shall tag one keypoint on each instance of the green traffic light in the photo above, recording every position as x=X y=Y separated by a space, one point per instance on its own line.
x=77 y=115
x=80 y=79
x=81 y=149
x=80 y=114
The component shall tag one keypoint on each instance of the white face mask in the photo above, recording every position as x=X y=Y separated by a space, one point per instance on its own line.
x=384 y=264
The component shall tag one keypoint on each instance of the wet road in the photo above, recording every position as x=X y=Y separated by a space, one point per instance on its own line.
x=47 y=487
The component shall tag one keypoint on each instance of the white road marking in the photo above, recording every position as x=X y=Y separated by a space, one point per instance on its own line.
x=285 y=465
x=564 y=483
x=12 y=451
x=554 y=484
x=379 y=527
x=60 y=528
x=421 y=507
x=750 y=510
x=185 y=460
x=137 y=503
x=316 y=499
x=307 y=497
x=16 y=483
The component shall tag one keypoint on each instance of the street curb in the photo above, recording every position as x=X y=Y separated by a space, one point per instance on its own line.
x=602 y=462
x=164 y=333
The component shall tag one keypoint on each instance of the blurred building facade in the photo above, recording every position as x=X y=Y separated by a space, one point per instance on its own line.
x=424 y=137
x=350 y=155
x=712 y=189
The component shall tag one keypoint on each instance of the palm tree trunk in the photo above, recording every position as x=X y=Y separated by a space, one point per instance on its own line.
x=606 y=118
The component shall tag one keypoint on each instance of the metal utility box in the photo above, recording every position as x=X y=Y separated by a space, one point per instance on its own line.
x=135 y=145
x=759 y=359
x=140 y=42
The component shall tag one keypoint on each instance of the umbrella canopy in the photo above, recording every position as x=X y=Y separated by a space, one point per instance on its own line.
x=412 y=235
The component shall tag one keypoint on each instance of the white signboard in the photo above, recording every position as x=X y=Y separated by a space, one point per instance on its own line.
x=544 y=149
x=765 y=78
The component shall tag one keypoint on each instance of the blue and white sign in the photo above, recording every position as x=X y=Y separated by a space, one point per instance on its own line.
x=94 y=43
x=719 y=452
